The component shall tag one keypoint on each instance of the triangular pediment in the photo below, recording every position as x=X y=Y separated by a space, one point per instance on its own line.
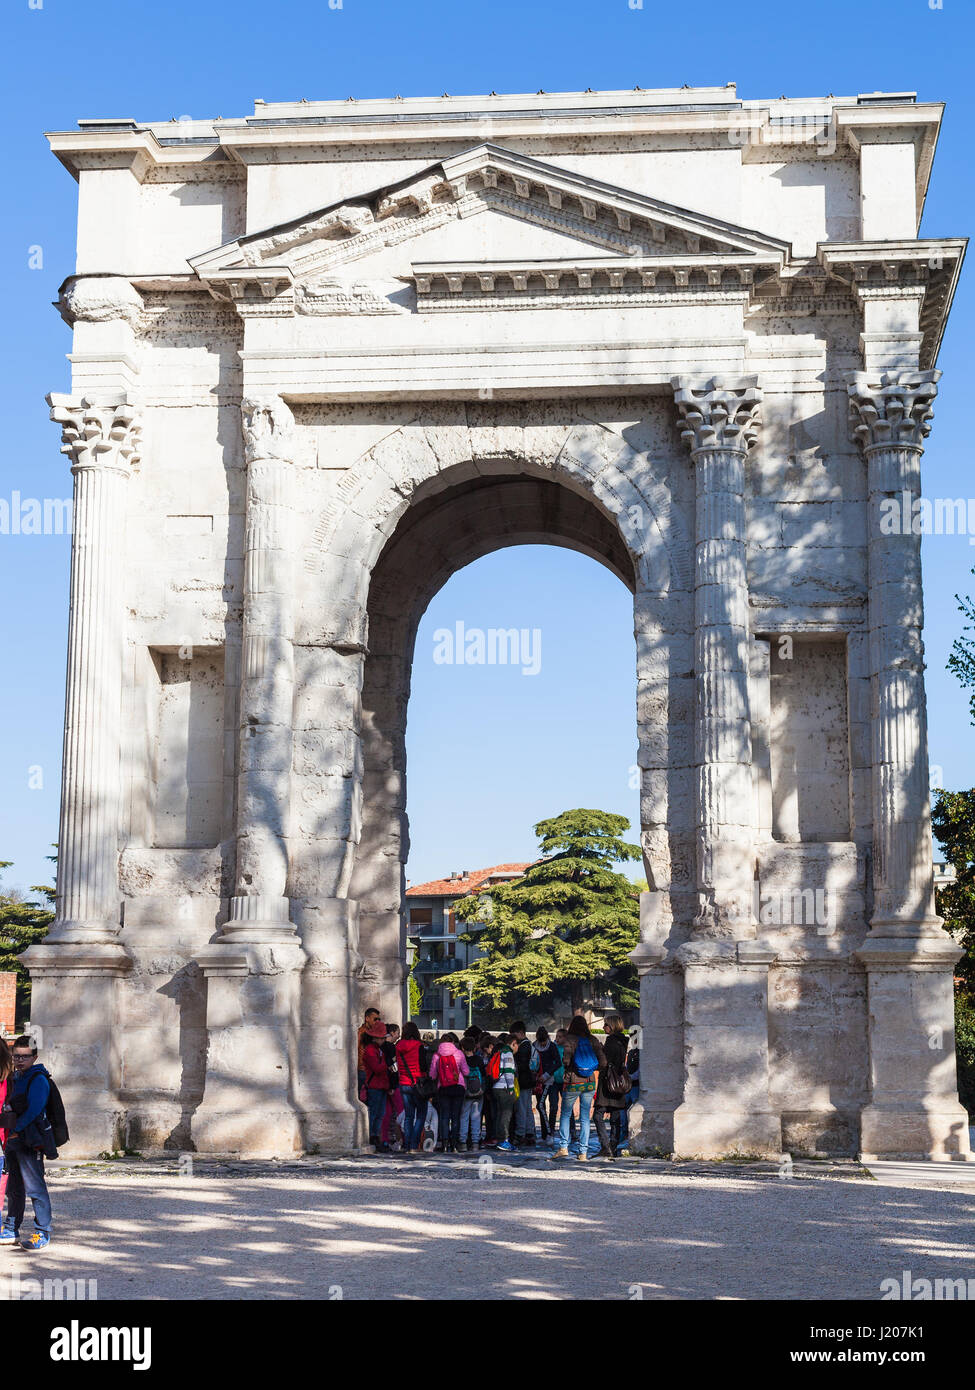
x=548 y=214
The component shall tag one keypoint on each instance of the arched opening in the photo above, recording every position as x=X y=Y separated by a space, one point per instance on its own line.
x=436 y=537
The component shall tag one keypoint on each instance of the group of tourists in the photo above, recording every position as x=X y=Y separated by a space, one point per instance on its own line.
x=31 y=1126
x=483 y=1090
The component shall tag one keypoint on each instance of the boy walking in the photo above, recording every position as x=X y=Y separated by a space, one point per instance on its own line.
x=24 y=1155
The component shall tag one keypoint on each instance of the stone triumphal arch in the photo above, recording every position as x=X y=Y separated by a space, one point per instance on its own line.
x=327 y=354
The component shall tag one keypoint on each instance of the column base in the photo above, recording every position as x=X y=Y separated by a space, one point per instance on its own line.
x=74 y=1018
x=714 y=1133
x=259 y=919
x=338 y=1131
x=252 y=1010
x=238 y=1134
x=910 y=1133
x=75 y=931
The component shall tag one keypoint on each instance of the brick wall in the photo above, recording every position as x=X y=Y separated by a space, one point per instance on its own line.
x=8 y=1000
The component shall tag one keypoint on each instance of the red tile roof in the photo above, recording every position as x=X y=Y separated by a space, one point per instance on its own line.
x=457 y=887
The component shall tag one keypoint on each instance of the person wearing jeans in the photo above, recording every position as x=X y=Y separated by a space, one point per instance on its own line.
x=414 y=1114
x=377 y=1083
x=579 y=1084
x=524 y=1112
x=585 y=1099
x=28 y=1096
x=411 y=1062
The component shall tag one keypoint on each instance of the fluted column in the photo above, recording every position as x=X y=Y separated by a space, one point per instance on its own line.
x=75 y=971
x=260 y=909
x=102 y=441
x=725 y=1106
x=719 y=423
x=913 y=1110
x=890 y=418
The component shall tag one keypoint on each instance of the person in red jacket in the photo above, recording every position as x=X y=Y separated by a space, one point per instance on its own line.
x=412 y=1061
x=377 y=1082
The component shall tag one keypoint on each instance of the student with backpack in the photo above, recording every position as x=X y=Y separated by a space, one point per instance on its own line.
x=35 y=1118
x=582 y=1059
x=524 y=1114
x=545 y=1062
x=470 y=1110
x=502 y=1070
x=449 y=1069
x=485 y=1053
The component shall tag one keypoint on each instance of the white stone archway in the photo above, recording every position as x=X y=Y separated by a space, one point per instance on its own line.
x=563 y=331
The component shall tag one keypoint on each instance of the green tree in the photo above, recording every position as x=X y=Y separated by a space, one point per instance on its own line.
x=416 y=994
x=568 y=925
x=953 y=823
x=962 y=659
x=23 y=923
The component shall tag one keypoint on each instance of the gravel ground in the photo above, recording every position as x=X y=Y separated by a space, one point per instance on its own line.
x=431 y=1228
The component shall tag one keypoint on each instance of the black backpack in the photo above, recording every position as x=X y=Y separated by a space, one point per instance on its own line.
x=55 y=1113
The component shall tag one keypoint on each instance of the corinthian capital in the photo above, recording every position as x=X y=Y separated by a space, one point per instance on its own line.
x=98 y=434
x=892 y=408
x=268 y=428
x=718 y=414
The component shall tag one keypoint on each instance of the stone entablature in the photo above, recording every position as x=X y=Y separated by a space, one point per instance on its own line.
x=328 y=375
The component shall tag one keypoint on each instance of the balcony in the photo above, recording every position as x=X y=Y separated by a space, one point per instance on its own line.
x=435 y=967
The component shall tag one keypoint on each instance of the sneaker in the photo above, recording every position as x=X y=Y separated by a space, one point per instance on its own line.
x=560 y=1153
x=582 y=1158
x=37 y=1241
x=8 y=1236
x=506 y=1147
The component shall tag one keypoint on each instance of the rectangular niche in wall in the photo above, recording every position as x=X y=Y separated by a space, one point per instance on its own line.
x=809 y=739
x=187 y=781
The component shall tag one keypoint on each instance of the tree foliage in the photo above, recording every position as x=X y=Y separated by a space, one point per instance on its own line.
x=415 y=994
x=23 y=923
x=953 y=822
x=567 y=926
x=962 y=659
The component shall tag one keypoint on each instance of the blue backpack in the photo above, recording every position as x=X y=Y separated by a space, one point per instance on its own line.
x=585 y=1061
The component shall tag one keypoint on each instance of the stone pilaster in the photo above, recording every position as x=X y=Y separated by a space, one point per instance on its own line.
x=719 y=422
x=260 y=910
x=253 y=969
x=914 y=1110
x=75 y=972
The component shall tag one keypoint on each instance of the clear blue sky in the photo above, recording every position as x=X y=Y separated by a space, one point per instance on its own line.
x=491 y=751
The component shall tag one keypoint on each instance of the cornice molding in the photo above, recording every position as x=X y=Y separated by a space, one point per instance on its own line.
x=928 y=269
